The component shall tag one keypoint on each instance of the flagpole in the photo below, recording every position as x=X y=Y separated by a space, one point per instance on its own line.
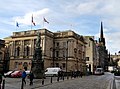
x=31 y=25
x=43 y=22
x=31 y=22
x=15 y=25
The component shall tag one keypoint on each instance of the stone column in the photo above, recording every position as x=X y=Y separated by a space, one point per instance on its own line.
x=12 y=49
x=22 y=48
x=32 y=47
x=14 y=54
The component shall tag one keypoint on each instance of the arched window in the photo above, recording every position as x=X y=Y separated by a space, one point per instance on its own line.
x=27 y=51
x=18 y=51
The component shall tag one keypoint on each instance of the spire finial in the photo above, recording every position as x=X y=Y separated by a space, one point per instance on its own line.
x=101 y=33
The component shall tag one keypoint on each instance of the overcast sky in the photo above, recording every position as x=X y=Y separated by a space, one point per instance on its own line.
x=81 y=16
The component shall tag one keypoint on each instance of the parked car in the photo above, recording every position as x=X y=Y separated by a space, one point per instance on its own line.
x=16 y=74
x=8 y=74
x=99 y=71
x=52 y=71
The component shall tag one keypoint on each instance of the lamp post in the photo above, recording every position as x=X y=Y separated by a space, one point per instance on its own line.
x=66 y=56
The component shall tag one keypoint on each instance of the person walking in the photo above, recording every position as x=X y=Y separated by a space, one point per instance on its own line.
x=31 y=76
x=81 y=74
x=0 y=80
x=23 y=77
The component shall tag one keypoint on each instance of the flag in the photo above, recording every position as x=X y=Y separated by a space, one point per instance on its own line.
x=46 y=21
x=33 y=21
x=17 y=24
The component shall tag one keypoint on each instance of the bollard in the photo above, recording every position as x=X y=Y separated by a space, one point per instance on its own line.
x=63 y=77
x=51 y=80
x=43 y=81
x=58 y=79
x=3 y=84
x=71 y=76
x=67 y=76
x=22 y=85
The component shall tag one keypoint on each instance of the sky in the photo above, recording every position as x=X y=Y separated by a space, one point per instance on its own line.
x=81 y=16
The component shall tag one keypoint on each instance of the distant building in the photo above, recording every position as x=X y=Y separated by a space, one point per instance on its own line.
x=115 y=60
x=60 y=49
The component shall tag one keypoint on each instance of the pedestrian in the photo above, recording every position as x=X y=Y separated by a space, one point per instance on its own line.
x=23 y=77
x=81 y=74
x=31 y=76
x=60 y=74
x=0 y=80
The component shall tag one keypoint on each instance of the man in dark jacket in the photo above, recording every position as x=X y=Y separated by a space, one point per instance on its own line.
x=31 y=75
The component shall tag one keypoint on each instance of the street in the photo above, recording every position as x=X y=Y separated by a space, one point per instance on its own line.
x=86 y=82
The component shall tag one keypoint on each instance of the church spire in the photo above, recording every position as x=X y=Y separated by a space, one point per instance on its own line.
x=101 y=33
x=102 y=39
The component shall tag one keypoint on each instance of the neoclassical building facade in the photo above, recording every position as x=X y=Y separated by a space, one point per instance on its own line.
x=64 y=49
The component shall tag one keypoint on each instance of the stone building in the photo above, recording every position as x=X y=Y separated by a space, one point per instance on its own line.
x=4 y=57
x=92 y=55
x=60 y=49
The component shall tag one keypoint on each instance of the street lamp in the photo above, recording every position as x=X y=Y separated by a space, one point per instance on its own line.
x=66 y=55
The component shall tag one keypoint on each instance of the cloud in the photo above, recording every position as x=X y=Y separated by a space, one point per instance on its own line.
x=37 y=17
x=113 y=41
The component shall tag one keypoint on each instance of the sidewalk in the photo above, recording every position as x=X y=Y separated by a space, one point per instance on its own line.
x=117 y=82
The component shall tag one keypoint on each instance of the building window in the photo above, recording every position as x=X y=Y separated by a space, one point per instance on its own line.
x=57 y=53
x=87 y=58
x=57 y=44
x=75 y=50
x=57 y=64
x=63 y=64
x=27 y=51
x=18 y=51
x=63 y=53
x=64 y=44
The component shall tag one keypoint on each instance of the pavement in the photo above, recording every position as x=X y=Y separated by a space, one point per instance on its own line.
x=117 y=82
